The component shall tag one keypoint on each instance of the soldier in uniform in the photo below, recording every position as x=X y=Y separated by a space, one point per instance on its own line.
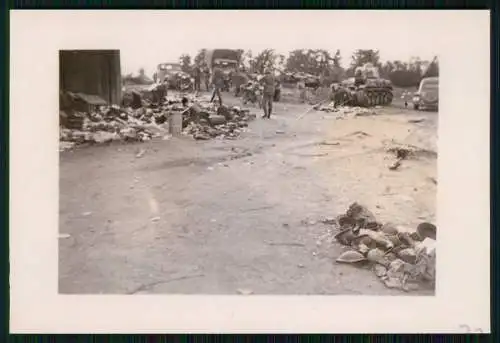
x=339 y=94
x=269 y=84
x=197 y=78
x=301 y=86
x=206 y=78
x=218 y=84
x=239 y=78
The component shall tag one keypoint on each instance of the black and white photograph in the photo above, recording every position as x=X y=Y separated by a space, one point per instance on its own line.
x=284 y=153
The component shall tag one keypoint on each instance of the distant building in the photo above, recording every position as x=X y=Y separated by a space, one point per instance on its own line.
x=93 y=75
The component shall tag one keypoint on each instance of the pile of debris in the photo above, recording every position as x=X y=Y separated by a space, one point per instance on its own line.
x=345 y=111
x=400 y=259
x=227 y=123
x=110 y=123
x=140 y=120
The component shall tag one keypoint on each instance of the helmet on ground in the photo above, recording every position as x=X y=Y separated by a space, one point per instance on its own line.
x=376 y=255
x=389 y=229
x=408 y=255
x=345 y=221
x=351 y=256
x=345 y=236
x=427 y=230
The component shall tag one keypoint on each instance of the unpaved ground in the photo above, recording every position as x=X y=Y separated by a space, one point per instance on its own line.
x=215 y=217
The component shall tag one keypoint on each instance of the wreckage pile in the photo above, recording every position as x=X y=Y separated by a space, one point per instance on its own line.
x=110 y=123
x=345 y=111
x=141 y=120
x=399 y=258
x=226 y=124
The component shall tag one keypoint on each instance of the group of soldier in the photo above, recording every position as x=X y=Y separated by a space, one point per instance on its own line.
x=219 y=81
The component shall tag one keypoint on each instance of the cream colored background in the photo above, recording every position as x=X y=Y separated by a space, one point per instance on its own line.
x=460 y=38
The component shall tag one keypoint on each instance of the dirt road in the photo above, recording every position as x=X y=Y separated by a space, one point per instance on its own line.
x=228 y=217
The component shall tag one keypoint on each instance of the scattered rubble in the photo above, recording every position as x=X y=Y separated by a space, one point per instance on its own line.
x=228 y=125
x=407 y=151
x=416 y=121
x=345 y=111
x=141 y=120
x=140 y=153
x=395 y=165
x=400 y=259
x=404 y=152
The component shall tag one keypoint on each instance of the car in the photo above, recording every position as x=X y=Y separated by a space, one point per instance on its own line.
x=427 y=96
x=173 y=75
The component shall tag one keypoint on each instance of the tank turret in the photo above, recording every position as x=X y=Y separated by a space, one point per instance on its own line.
x=368 y=89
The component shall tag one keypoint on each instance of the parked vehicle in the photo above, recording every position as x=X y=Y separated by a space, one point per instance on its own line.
x=225 y=59
x=369 y=88
x=173 y=76
x=427 y=96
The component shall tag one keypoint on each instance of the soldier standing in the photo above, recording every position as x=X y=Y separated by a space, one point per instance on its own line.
x=197 y=78
x=206 y=77
x=269 y=83
x=218 y=84
x=301 y=86
x=239 y=79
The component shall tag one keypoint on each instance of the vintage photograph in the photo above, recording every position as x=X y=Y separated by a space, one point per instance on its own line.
x=249 y=166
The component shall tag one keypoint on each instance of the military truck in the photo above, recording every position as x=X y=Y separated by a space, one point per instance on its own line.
x=225 y=59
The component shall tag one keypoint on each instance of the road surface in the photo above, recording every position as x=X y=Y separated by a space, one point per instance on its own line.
x=238 y=216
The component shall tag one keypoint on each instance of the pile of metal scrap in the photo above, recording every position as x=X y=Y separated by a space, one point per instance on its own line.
x=100 y=124
x=111 y=123
x=225 y=123
x=399 y=258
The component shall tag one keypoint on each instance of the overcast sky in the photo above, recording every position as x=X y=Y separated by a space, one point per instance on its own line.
x=147 y=38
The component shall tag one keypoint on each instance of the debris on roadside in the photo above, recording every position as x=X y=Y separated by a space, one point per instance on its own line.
x=328 y=221
x=416 y=121
x=395 y=165
x=143 y=120
x=404 y=152
x=345 y=111
x=140 y=153
x=400 y=259
x=407 y=151
x=329 y=143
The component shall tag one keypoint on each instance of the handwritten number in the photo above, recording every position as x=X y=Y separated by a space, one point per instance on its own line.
x=468 y=329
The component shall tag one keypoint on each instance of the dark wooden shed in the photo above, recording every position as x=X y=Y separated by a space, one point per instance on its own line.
x=91 y=72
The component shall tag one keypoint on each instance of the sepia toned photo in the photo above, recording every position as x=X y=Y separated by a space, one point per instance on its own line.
x=256 y=173
x=234 y=171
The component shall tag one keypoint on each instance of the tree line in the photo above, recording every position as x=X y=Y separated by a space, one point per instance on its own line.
x=326 y=65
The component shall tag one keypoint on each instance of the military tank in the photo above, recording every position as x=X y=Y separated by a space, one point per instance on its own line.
x=367 y=89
